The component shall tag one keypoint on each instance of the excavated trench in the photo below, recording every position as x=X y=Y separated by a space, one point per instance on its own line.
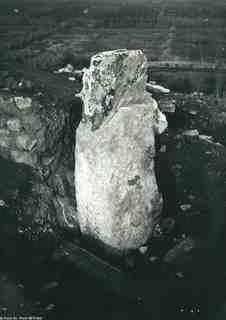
x=179 y=274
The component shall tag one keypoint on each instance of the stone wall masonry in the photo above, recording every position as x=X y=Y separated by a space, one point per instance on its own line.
x=37 y=138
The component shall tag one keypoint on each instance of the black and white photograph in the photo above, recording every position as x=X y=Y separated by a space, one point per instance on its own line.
x=112 y=159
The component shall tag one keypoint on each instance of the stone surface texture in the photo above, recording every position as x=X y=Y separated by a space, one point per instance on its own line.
x=37 y=160
x=117 y=196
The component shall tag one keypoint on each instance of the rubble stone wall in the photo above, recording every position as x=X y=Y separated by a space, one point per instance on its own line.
x=37 y=139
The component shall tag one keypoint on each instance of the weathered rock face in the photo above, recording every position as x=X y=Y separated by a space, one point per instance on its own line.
x=116 y=191
x=37 y=143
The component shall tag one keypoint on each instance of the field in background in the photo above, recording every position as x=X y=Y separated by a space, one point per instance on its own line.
x=42 y=36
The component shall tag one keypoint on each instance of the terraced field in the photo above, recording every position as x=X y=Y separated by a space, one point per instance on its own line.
x=42 y=36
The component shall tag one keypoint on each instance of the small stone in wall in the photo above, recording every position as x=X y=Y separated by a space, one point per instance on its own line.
x=143 y=249
x=5 y=142
x=46 y=161
x=24 y=142
x=32 y=122
x=193 y=112
x=163 y=149
x=1 y=100
x=154 y=88
x=2 y=122
x=185 y=207
x=50 y=307
x=5 y=139
x=23 y=103
x=2 y=203
x=14 y=124
x=191 y=133
x=153 y=258
x=24 y=157
x=4 y=132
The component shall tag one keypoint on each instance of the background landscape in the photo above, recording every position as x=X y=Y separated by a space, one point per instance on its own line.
x=43 y=34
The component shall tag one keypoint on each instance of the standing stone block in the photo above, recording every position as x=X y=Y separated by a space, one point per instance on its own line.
x=118 y=201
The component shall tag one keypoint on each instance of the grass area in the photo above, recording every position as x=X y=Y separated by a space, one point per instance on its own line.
x=187 y=30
